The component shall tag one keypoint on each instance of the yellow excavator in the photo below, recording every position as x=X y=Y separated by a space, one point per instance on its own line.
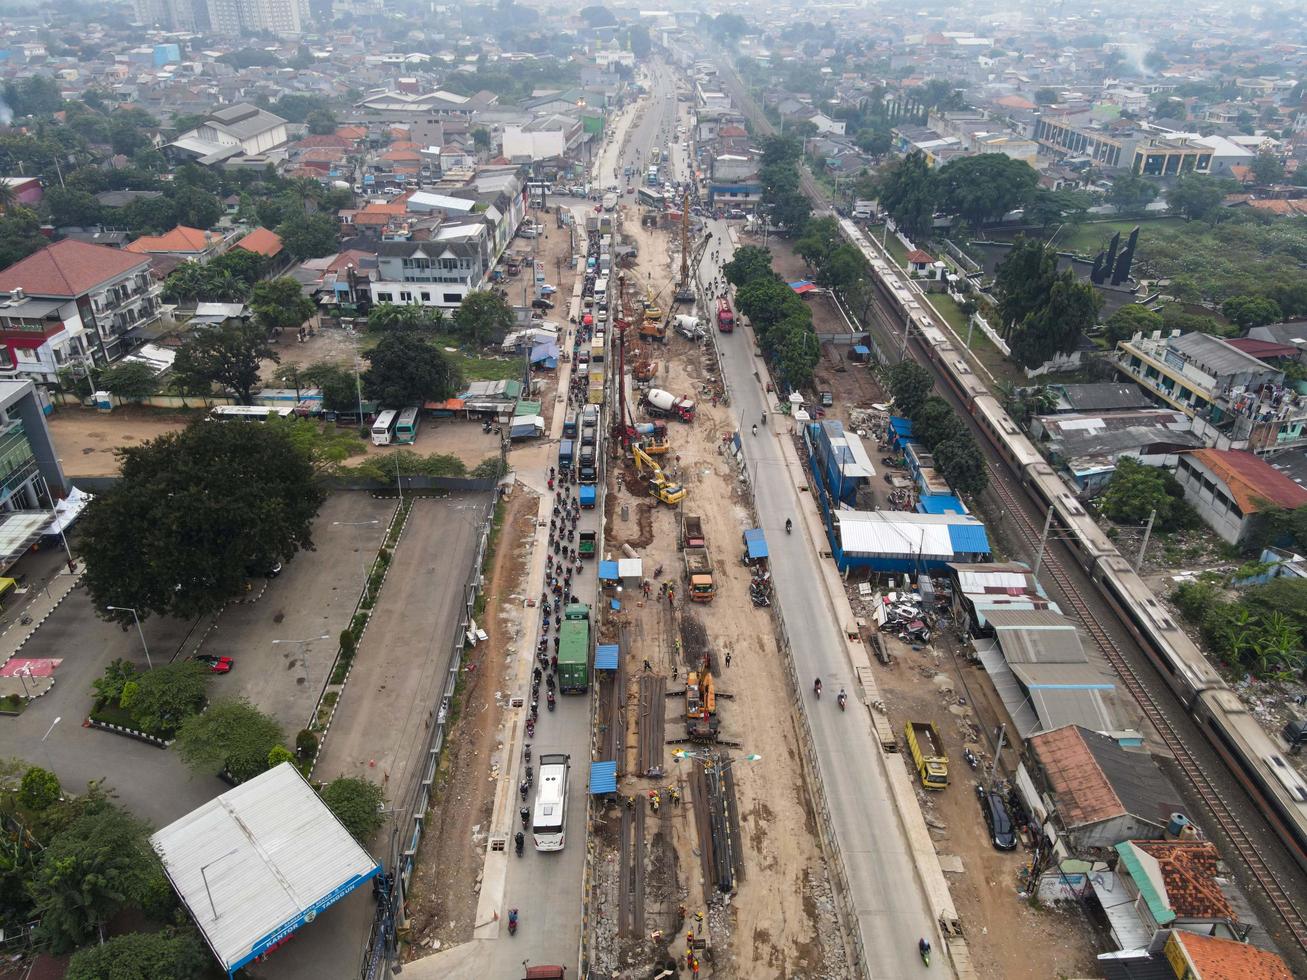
x=664 y=489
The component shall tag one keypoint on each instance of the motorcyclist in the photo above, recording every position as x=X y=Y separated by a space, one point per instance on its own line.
x=816 y=686
x=789 y=525
x=755 y=430
x=923 y=946
x=519 y=840
x=841 y=697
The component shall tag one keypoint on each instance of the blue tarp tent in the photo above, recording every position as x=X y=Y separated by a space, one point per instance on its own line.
x=545 y=354
x=608 y=571
x=603 y=777
x=902 y=427
x=606 y=656
x=755 y=544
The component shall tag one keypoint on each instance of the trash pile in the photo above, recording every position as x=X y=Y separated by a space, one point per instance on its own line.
x=912 y=616
x=760 y=587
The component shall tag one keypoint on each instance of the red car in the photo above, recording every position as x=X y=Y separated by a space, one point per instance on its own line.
x=216 y=664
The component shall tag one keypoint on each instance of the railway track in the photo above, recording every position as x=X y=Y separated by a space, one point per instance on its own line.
x=1194 y=773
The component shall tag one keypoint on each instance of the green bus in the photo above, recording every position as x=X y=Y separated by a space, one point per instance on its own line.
x=574 y=650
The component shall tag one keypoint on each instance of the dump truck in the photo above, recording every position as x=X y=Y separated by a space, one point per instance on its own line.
x=725 y=317
x=587 y=496
x=663 y=404
x=692 y=532
x=587 y=544
x=698 y=574
x=928 y=753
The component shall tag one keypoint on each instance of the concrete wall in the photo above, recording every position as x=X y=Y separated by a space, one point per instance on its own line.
x=1211 y=498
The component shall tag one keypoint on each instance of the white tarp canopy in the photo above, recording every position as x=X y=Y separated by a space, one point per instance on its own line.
x=259 y=862
x=67 y=510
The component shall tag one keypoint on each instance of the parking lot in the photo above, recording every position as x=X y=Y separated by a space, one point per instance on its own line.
x=314 y=596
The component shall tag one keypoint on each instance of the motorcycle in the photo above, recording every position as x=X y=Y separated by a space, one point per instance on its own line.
x=524 y=789
x=789 y=525
x=923 y=948
x=518 y=842
x=550 y=700
x=816 y=688
x=527 y=751
x=970 y=756
x=842 y=698
x=512 y=922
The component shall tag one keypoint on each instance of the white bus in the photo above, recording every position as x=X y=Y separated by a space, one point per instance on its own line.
x=383 y=429
x=248 y=413
x=406 y=426
x=550 y=816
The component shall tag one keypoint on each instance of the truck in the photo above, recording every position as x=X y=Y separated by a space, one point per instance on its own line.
x=546 y=973
x=652 y=437
x=663 y=404
x=587 y=495
x=927 y=753
x=689 y=327
x=725 y=315
x=569 y=426
x=588 y=542
x=566 y=453
x=692 y=531
x=610 y=201
x=588 y=470
x=653 y=330
x=574 y=649
x=698 y=574
x=589 y=434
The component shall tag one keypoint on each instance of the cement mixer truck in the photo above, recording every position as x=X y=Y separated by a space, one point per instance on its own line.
x=665 y=405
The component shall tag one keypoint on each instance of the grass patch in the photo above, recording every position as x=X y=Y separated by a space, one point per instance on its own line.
x=13 y=704
x=477 y=367
x=1088 y=238
x=897 y=250
x=981 y=345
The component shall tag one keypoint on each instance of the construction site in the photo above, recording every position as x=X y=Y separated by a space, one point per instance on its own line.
x=708 y=846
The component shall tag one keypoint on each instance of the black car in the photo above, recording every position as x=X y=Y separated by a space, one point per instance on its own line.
x=997 y=819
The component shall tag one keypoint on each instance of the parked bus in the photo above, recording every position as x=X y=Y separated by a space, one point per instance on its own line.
x=383 y=429
x=574 y=641
x=549 y=819
x=406 y=426
x=248 y=413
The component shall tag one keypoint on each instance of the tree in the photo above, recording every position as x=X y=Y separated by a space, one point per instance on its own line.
x=843 y=268
x=98 y=865
x=232 y=735
x=357 y=804
x=1130 y=191
x=482 y=140
x=906 y=189
x=228 y=355
x=309 y=236
x=797 y=352
x=194 y=515
x=985 y=187
x=167 y=955
x=598 y=16
x=1022 y=281
x=1195 y=196
x=820 y=238
x=1129 y=320
x=484 y=317
x=962 y=464
x=321 y=122
x=128 y=380
x=405 y=370
x=37 y=95
x=71 y=208
x=339 y=386
x=1251 y=311
x=39 y=790
x=637 y=39
x=20 y=235
x=1069 y=311
x=750 y=262
x=160 y=699
x=1267 y=168
x=1135 y=491
x=1046 y=96
x=280 y=304
x=936 y=423
x=909 y=384
x=1045 y=207
x=395 y=316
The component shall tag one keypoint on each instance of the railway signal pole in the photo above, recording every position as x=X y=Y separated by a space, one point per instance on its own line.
x=1043 y=541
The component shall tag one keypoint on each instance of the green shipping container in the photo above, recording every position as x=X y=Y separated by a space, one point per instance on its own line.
x=574 y=650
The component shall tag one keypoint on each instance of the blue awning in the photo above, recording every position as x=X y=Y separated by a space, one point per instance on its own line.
x=608 y=571
x=862 y=350
x=940 y=503
x=755 y=543
x=603 y=777
x=606 y=656
x=900 y=425
x=968 y=539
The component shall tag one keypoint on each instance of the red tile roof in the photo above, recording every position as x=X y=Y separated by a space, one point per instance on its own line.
x=68 y=268
x=352 y=133
x=1189 y=871
x=1254 y=482
x=180 y=239
x=1225 y=959
x=261 y=241
x=918 y=257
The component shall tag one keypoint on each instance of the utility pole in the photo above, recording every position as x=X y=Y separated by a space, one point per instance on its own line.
x=1043 y=541
x=1148 y=531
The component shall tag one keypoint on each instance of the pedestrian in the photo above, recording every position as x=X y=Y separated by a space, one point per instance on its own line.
x=728 y=658
x=673 y=671
x=648 y=667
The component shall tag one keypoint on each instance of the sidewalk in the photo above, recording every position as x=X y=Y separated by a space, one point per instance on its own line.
x=36 y=678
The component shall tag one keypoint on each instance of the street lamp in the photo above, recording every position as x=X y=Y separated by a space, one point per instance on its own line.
x=139 y=631
x=55 y=511
x=51 y=728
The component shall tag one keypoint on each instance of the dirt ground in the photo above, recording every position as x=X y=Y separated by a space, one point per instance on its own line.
x=780 y=922
x=443 y=895
x=86 y=439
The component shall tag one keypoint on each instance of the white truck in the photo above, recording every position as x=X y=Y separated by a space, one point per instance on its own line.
x=663 y=404
x=610 y=201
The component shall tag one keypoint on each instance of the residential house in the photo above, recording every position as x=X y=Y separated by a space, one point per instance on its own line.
x=1229 y=488
x=26 y=191
x=439 y=273
x=187 y=244
x=242 y=129
x=262 y=241
x=1088 y=445
x=71 y=301
x=547 y=137
x=1173 y=885
x=979 y=590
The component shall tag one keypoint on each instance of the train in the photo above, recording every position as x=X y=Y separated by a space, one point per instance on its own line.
x=1255 y=757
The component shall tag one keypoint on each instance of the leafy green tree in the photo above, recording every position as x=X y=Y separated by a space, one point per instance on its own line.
x=71 y=208
x=128 y=380
x=108 y=689
x=962 y=464
x=326 y=446
x=99 y=865
x=985 y=187
x=1045 y=207
x=1129 y=320
x=194 y=515
x=1136 y=490
x=167 y=955
x=637 y=39
x=484 y=317
x=936 y=422
x=750 y=262
x=39 y=790
x=309 y=236
x=1267 y=168
x=1130 y=192
x=482 y=141
x=396 y=316
x=36 y=95
x=1046 y=96
x=909 y=385
x=280 y=304
x=20 y=236
x=160 y=699
x=797 y=353
x=598 y=15
x=820 y=238
x=843 y=268
x=231 y=735
x=339 y=386
x=907 y=192
x=1023 y=280
x=357 y=804
x=228 y=355
x=321 y=122
x=406 y=370
x=1196 y=196
x=1069 y=311
x=1251 y=311
x=193 y=207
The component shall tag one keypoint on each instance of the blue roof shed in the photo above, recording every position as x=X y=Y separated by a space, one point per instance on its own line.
x=969 y=539
x=603 y=777
x=755 y=543
x=606 y=656
x=941 y=503
x=608 y=571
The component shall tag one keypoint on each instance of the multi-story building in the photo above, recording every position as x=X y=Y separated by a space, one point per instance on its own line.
x=173 y=15
x=1108 y=148
x=1173 y=155
x=236 y=17
x=440 y=272
x=30 y=475
x=69 y=303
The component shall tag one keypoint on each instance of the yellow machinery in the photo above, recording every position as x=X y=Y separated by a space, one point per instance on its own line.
x=701 y=705
x=652 y=311
x=664 y=489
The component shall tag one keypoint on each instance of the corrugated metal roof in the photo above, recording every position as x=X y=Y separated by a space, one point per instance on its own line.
x=756 y=543
x=603 y=777
x=895 y=533
x=941 y=503
x=1023 y=645
x=606 y=656
x=1034 y=620
x=608 y=571
x=267 y=856
x=969 y=538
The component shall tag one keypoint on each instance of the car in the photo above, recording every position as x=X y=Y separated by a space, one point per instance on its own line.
x=998 y=821
x=827 y=399
x=215 y=663
x=541 y=304
x=548 y=289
